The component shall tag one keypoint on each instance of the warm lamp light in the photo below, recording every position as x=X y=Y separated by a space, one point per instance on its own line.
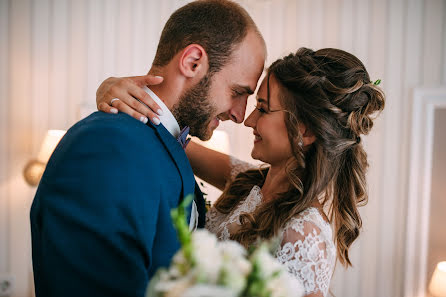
x=34 y=169
x=437 y=286
x=218 y=142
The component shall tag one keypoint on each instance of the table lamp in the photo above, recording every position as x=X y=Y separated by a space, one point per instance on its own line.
x=437 y=286
x=34 y=169
x=218 y=142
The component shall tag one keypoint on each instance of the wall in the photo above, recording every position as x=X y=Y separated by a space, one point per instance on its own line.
x=54 y=54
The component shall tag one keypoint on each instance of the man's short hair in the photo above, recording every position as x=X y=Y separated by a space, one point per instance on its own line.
x=217 y=25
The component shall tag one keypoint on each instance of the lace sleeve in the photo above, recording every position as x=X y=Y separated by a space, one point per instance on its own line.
x=238 y=166
x=213 y=220
x=308 y=252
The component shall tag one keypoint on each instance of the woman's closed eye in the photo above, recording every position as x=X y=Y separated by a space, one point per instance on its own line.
x=260 y=109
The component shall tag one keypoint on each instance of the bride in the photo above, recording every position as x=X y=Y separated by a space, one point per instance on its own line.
x=312 y=108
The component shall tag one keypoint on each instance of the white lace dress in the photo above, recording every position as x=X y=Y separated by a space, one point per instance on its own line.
x=307 y=248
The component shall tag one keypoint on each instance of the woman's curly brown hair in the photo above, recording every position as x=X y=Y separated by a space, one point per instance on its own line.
x=330 y=92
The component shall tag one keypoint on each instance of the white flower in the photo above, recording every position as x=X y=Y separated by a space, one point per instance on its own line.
x=233 y=248
x=169 y=287
x=234 y=255
x=178 y=258
x=222 y=269
x=285 y=285
x=236 y=266
x=203 y=290
x=268 y=264
x=207 y=255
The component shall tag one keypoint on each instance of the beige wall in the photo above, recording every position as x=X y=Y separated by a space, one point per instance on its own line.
x=54 y=54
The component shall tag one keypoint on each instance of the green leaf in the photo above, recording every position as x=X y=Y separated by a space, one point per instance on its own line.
x=377 y=82
x=179 y=219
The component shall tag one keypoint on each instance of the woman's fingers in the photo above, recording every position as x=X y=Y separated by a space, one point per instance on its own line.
x=142 y=81
x=133 y=99
x=150 y=80
x=103 y=92
x=106 y=108
x=142 y=109
x=136 y=109
x=123 y=107
x=150 y=106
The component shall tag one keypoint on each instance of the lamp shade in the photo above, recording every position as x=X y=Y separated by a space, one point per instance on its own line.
x=437 y=286
x=34 y=169
x=50 y=142
x=218 y=142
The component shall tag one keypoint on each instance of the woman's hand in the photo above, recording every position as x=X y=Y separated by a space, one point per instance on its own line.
x=128 y=90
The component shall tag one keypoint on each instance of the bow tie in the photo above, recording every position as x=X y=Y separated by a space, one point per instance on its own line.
x=182 y=138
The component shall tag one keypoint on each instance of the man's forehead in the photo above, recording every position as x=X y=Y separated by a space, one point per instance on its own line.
x=248 y=61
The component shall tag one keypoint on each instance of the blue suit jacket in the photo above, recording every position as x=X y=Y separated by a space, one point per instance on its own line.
x=100 y=220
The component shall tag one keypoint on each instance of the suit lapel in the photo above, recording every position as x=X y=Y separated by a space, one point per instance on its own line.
x=201 y=206
x=179 y=157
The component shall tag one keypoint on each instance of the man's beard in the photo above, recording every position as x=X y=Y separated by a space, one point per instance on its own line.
x=195 y=110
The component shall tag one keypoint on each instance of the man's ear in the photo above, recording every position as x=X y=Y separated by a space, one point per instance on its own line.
x=193 y=61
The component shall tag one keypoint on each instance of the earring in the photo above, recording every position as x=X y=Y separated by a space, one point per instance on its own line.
x=301 y=143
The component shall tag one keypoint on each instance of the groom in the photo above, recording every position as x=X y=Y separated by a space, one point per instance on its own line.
x=100 y=219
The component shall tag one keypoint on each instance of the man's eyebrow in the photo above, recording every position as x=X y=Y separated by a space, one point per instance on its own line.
x=246 y=89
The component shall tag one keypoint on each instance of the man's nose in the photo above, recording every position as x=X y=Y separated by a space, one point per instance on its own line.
x=237 y=112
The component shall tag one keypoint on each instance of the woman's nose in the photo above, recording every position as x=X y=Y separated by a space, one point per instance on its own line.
x=250 y=120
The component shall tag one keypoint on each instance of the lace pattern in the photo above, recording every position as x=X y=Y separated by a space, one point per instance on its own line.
x=213 y=220
x=238 y=166
x=307 y=248
x=221 y=224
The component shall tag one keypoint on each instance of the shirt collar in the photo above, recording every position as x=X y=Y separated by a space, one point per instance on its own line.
x=167 y=119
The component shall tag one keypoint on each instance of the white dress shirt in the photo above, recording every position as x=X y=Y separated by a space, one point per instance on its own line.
x=171 y=124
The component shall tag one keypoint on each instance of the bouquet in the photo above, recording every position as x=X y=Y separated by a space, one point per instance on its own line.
x=206 y=267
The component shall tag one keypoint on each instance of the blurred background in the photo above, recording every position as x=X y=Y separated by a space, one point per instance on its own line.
x=55 y=53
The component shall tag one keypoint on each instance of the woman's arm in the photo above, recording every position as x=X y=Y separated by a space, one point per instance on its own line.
x=209 y=165
x=308 y=253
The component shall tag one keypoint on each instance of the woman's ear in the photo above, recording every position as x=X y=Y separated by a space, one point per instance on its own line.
x=193 y=61
x=307 y=136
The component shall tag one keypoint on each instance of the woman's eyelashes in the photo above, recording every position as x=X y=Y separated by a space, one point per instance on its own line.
x=260 y=109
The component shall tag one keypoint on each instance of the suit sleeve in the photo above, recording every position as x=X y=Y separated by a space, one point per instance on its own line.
x=94 y=217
